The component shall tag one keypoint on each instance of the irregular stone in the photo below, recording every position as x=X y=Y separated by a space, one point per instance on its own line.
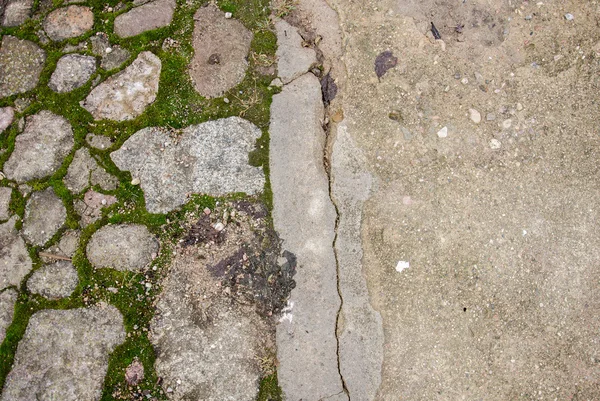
x=44 y=215
x=21 y=63
x=5 y=195
x=90 y=208
x=122 y=247
x=99 y=43
x=99 y=141
x=134 y=373
x=220 y=49
x=475 y=116
x=68 y=22
x=306 y=335
x=84 y=171
x=66 y=247
x=115 y=58
x=153 y=15
x=21 y=104
x=443 y=133
x=64 y=354
x=41 y=148
x=8 y=298
x=54 y=281
x=293 y=59
x=209 y=158
x=125 y=95
x=15 y=262
x=16 y=12
x=72 y=72
x=6 y=117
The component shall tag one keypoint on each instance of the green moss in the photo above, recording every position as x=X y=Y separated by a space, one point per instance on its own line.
x=269 y=389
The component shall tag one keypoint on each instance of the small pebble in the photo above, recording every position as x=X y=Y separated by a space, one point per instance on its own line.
x=464 y=81
x=148 y=285
x=569 y=17
x=519 y=106
x=135 y=181
x=228 y=15
x=443 y=132
x=506 y=124
x=219 y=226
x=490 y=117
x=206 y=211
x=475 y=116
x=226 y=100
x=108 y=50
x=402 y=265
x=495 y=144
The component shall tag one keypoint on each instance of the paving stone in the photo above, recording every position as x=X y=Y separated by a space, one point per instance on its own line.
x=65 y=248
x=54 y=281
x=68 y=22
x=99 y=141
x=153 y=15
x=64 y=354
x=209 y=158
x=125 y=95
x=21 y=63
x=293 y=59
x=72 y=72
x=220 y=50
x=5 y=195
x=44 y=215
x=8 y=298
x=115 y=58
x=90 y=208
x=99 y=43
x=122 y=247
x=7 y=114
x=84 y=171
x=15 y=262
x=16 y=12
x=40 y=149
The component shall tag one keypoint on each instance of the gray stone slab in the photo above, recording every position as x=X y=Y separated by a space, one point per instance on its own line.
x=8 y=298
x=84 y=171
x=72 y=72
x=64 y=355
x=5 y=195
x=90 y=208
x=44 y=215
x=99 y=141
x=68 y=22
x=150 y=16
x=54 y=281
x=16 y=12
x=21 y=63
x=209 y=158
x=115 y=58
x=293 y=59
x=304 y=217
x=15 y=262
x=7 y=114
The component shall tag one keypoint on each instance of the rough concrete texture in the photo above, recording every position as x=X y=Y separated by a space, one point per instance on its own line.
x=209 y=158
x=84 y=172
x=5 y=195
x=8 y=298
x=44 y=215
x=21 y=63
x=221 y=47
x=7 y=114
x=72 y=72
x=90 y=208
x=122 y=247
x=64 y=354
x=125 y=95
x=54 y=281
x=304 y=217
x=16 y=12
x=68 y=22
x=15 y=262
x=40 y=149
x=152 y=15
x=293 y=59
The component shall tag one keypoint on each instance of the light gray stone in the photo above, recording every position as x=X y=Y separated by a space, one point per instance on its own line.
x=15 y=262
x=304 y=217
x=84 y=171
x=122 y=247
x=90 y=208
x=115 y=58
x=64 y=354
x=209 y=158
x=54 y=281
x=293 y=59
x=21 y=63
x=68 y=22
x=8 y=298
x=7 y=114
x=66 y=247
x=150 y=16
x=72 y=72
x=16 y=12
x=125 y=95
x=220 y=50
x=99 y=43
x=44 y=215
x=5 y=195
x=99 y=141
x=41 y=148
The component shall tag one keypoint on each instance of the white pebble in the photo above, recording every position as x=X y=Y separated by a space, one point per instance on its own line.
x=108 y=50
x=219 y=226
x=402 y=265
x=475 y=116
x=519 y=106
x=103 y=201
x=135 y=181
x=465 y=81
x=569 y=17
x=506 y=123
x=148 y=285
x=226 y=100
x=228 y=15
x=443 y=132
x=495 y=144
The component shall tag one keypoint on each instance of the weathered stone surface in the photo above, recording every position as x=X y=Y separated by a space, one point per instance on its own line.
x=66 y=247
x=6 y=117
x=41 y=148
x=90 y=208
x=125 y=95
x=16 y=12
x=84 y=171
x=99 y=141
x=15 y=262
x=44 y=215
x=122 y=247
x=220 y=49
x=54 y=281
x=68 y=22
x=5 y=195
x=153 y=15
x=72 y=72
x=21 y=63
x=210 y=158
x=304 y=217
x=293 y=59
x=8 y=298
x=115 y=58
x=64 y=354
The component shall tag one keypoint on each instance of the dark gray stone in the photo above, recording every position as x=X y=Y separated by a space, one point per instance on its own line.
x=21 y=63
